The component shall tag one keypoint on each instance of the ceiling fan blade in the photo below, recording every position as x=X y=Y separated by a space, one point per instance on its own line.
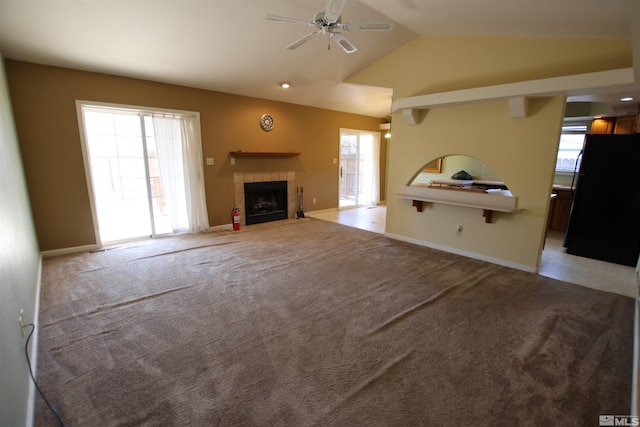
x=342 y=41
x=367 y=26
x=289 y=20
x=303 y=40
x=334 y=9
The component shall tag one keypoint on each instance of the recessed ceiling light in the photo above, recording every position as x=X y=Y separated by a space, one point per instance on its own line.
x=626 y=99
x=285 y=85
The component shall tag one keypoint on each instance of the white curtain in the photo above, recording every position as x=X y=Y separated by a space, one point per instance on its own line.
x=194 y=178
x=369 y=150
x=375 y=191
x=181 y=173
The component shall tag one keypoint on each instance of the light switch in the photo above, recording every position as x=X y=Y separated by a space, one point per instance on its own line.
x=209 y=161
x=335 y=161
x=233 y=160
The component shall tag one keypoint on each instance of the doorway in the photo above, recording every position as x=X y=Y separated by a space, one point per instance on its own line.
x=140 y=167
x=359 y=171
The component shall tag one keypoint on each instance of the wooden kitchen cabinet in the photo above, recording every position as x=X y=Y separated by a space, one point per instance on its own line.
x=615 y=125
x=602 y=126
x=560 y=210
x=625 y=125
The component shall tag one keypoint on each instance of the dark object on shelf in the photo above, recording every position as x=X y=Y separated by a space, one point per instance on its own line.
x=464 y=175
x=604 y=222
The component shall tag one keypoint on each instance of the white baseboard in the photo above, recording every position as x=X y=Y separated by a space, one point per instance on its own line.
x=93 y=247
x=72 y=250
x=468 y=254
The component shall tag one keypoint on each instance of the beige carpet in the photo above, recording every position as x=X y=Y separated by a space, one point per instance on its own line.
x=311 y=323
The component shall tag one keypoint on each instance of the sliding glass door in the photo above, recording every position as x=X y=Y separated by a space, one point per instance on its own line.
x=138 y=173
x=359 y=168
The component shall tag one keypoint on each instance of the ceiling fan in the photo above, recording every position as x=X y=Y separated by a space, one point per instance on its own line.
x=329 y=22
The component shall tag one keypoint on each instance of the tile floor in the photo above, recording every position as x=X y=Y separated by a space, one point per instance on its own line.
x=371 y=218
x=555 y=262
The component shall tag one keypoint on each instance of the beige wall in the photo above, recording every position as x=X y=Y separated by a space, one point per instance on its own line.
x=44 y=103
x=521 y=151
x=19 y=272
x=431 y=64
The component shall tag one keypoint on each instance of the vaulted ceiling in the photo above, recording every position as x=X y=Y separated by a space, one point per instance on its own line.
x=228 y=46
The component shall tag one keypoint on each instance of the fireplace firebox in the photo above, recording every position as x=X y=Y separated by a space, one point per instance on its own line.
x=265 y=201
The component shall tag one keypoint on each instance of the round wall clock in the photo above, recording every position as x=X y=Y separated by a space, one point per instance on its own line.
x=266 y=122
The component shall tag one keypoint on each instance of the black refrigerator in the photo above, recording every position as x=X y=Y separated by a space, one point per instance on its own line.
x=604 y=223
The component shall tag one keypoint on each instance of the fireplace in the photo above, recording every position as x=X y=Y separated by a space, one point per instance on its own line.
x=265 y=201
x=242 y=178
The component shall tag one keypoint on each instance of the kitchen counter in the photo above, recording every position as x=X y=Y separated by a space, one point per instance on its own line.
x=561 y=187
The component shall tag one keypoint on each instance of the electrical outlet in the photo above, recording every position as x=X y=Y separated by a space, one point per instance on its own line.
x=314 y=200
x=21 y=321
x=233 y=161
x=458 y=230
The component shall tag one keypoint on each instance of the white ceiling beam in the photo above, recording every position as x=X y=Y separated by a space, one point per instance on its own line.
x=578 y=84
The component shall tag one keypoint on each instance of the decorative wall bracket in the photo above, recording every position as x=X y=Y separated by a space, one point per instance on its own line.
x=500 y=201
x=487 y=214
x=411 y=116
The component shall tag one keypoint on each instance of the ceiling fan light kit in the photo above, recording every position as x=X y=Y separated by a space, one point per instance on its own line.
x=329 y=22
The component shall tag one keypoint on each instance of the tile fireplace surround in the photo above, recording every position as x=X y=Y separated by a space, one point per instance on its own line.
x=239 y=178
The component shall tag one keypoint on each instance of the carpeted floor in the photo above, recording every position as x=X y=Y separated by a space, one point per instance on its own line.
x=311 y=323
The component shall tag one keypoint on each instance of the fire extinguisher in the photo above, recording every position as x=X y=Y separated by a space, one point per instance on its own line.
x=235 y=216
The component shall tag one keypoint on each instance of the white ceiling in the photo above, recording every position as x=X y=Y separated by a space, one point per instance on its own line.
x=228 y=46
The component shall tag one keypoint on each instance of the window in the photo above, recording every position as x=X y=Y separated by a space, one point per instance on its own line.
x=571 y=143
x=144 y=171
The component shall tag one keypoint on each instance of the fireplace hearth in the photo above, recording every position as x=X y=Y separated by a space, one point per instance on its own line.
x=265 y=201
